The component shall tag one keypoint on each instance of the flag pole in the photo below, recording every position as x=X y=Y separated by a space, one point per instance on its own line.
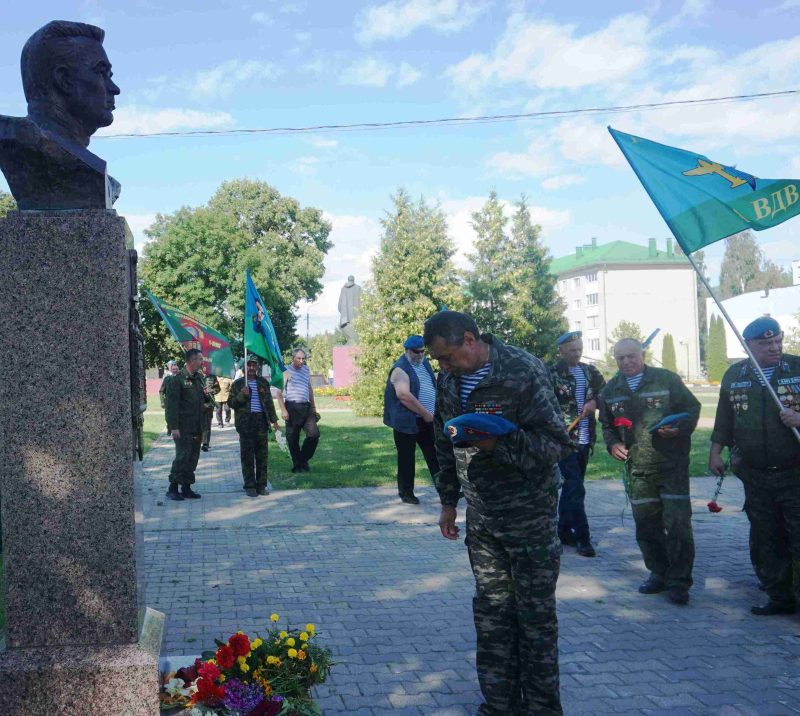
x=741 y=339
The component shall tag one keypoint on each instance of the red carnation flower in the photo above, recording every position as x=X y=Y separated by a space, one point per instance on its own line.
x=622 y=423
x=240 y=644
x=225 y=657
x=267 y=708
x=714 y=507
x=209 y=671
x=208 y=692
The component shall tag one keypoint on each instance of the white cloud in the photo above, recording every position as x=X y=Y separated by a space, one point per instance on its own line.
x=782 y=252
x=546 y=55
x=399 y=18
x=322 y=142
x=407 y=75
x=261 y=18
x=222 y=80
x=140 y=120
x=305 y=166
x=561 y=181
x=535 y=161
x=369 y=72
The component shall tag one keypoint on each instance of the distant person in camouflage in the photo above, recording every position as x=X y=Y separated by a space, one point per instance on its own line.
x=186 y=403
x=659 y=464
x=765 y=456
x=254 y=412
x=511 y=487
x=172 y=370
x=577 y=386
x=221 y=399
x=211 y=387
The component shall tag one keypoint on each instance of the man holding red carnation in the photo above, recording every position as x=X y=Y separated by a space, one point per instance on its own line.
x=659 y=463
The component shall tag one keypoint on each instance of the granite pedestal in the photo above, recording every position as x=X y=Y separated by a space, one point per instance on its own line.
x=344 y=366
x=66 y=471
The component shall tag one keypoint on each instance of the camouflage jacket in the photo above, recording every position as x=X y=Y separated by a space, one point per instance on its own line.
x=565 y=387
x=211 y=383
x=241 y=402
x=748 y=419
x=660 y=393
x=517 y=387
x=186 y=399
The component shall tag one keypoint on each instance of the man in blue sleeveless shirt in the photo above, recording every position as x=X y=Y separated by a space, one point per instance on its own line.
x=408 y=403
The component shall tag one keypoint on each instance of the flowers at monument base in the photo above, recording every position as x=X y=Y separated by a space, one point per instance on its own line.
x=251 y=676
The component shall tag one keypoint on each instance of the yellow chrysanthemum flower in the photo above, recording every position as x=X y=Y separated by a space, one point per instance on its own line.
x=313 y=668
x=283 y=635
x=303 y=636
x=301 y=655
x=292 y=653
x=255 y=644
x=244 y=668
x=240 y=659
x=274 y=617
x=290 y=641
x=221 y=678
x=310 y=628
x=271 y=659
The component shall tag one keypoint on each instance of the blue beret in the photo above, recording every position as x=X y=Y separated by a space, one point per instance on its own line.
x=413 y=343
x=764 y=327
x=470 y=427
x=568 y=336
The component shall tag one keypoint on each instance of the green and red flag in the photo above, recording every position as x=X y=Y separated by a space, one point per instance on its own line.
x=190 y=333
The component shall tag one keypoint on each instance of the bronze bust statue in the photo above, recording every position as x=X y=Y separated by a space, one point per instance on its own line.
x=66 y=76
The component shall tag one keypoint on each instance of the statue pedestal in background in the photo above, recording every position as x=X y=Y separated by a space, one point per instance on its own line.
x=75 y=643
x=344 y=367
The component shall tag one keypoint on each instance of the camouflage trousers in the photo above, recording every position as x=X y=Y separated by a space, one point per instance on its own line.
x=772 y=504
x=515 y=557
x=662 y=511
x=187 y=454
x=254 y=449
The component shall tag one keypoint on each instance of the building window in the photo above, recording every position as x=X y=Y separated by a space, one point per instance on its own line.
x=591 y=299
x=591 y=277
x=576 y=282
x=593 y=321
x=594 y=344
x=577 y=326
x=577 y=303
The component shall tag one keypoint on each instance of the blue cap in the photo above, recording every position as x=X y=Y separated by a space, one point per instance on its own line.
x=567 y=337
x=764 y=327
x=471 y=427
x=413 y=343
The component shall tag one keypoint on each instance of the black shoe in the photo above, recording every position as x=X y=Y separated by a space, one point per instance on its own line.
x=410 y=499
x=262 y=490
x=772 y=608
x=173 y=494
x=585 y=548
x=297 y=468
x=305 y=468
x=567 y=538
x=678 y=595
x=204 y=448
x=652 y=586
x=220 y=425
x=189 y=494
x=251 y=492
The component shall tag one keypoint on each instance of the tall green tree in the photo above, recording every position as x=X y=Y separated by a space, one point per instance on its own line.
x=7 y=203
x=717 y=354
x=510 y=289
x=413 y=276
x=197 y=259
x=702 y=294
x=668 y=357
x=624 y=329
x=745 y=268
x=320 y=351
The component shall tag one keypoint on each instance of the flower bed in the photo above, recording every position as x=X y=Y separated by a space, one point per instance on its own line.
x=272 y=676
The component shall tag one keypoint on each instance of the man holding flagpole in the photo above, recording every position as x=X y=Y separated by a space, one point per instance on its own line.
x=765 y=457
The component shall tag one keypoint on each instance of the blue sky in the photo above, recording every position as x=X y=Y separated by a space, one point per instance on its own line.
x=228 y=64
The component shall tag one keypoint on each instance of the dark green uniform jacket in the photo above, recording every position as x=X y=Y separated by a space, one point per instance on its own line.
x=241 y=402
x=748 y=418
x=564 y=386
x=517 y=387
x=660 y=393
x=186 y=399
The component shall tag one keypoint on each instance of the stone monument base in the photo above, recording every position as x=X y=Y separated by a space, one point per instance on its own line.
x=79 y=681
x=344 y=367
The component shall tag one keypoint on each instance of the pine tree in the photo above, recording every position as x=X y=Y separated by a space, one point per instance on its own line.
x=668 y=358
x=717 y=353
x=412 y=277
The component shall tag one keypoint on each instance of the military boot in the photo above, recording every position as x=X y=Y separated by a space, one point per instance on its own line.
x=172 y=493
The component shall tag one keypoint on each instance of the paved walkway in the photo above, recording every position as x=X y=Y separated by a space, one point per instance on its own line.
x=393 y=599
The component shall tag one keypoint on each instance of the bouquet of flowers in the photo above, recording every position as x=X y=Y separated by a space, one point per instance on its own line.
x=267 y=676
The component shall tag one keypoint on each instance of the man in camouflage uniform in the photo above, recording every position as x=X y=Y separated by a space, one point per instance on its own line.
x=172 y=371
x=511 y=488
x=211 y=387
x=658 y=462
x=765 y=456
x=250 y=416
x=185 y=405
x=577 y=386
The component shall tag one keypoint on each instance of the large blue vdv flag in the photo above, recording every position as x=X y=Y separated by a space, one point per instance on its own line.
x=703 y=201
x=259 y=333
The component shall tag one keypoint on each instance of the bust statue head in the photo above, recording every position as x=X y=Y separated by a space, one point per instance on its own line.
x=66 y=77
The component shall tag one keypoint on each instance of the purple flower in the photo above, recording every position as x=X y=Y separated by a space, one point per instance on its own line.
x=242 y=697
